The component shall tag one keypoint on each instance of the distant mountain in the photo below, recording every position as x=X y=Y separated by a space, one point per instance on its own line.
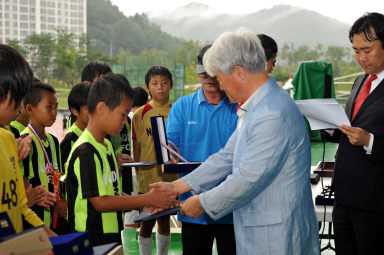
x=286 y=24
x=113 y=31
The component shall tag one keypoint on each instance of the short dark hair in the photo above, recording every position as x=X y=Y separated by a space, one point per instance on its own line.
x=111 y=90
x=201 y=53
x=15 y=75
x=118 y=76
x=364 y=24
x=269 y=45
x=140 y=97
x=94 y=70
x=34 y=94
x=78 y=96
x=158 y=70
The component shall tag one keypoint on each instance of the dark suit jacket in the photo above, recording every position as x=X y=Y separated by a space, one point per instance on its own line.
x=359 y=177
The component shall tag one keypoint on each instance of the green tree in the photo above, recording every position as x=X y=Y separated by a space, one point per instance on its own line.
x=16 y=44
x=339 y=58
x=65 y=58
x=41 y=50
x=113 y=31
x=88 y=53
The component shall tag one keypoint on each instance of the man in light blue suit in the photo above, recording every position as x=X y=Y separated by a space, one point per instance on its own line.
x=262 y=174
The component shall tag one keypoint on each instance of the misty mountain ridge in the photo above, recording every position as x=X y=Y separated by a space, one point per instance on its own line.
x=189 y=10
x=285 y=23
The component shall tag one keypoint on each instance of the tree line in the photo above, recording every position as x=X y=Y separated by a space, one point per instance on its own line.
x=60 y=58
x=290 y=56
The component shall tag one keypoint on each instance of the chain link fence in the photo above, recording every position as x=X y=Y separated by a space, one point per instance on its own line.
x=135 y=68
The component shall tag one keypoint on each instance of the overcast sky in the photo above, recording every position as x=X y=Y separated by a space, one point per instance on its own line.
x=342 y=10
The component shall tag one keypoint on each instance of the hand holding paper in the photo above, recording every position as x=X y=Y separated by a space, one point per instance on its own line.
x=323 y=113
x=357 y=136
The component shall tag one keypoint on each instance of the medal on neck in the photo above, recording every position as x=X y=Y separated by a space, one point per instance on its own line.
x=50 y=170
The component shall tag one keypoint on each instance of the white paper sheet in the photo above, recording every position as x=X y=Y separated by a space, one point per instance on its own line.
x=323 y=113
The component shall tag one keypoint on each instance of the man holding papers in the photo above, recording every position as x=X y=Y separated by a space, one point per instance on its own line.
x=262 y=173
x=358 y=182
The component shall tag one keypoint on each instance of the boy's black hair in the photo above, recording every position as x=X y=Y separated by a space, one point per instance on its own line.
x=94 y=70
x=118 y=76
x=111 y=90
x=365 y=23
x=158 y=70
x=78 y=96
x=269 y=45
x=15 y=75
x=34 y=94
x=140 y=97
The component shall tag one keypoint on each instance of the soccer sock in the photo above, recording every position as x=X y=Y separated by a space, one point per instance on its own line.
x=145 y=245
x=162 y=243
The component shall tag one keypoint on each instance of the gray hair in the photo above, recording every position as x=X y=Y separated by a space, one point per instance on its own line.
x=241 y=48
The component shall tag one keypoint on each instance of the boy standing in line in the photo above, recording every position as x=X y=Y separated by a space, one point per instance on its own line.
x=140 y=98
x=121 y=144
x=77 y=103
x=43 y=165
x=90 y=73
x=95 y=201
x=158 y=81
x=15 y=79
x=21 y=121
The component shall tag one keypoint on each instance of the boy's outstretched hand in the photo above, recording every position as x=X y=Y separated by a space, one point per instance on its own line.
x=161 y=199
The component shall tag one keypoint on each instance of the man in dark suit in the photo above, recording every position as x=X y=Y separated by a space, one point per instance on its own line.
x=358 y=183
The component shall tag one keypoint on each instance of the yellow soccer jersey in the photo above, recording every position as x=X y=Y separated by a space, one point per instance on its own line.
x=12 y=192
x=142 y=133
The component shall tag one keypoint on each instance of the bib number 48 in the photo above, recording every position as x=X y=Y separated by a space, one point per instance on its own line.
x=9 y=197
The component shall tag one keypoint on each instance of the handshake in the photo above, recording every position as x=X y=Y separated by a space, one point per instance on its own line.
x=163 y=196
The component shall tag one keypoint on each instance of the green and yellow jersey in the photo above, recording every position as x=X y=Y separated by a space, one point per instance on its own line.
x=34 y=168
x=92 y=171
x=71 y=136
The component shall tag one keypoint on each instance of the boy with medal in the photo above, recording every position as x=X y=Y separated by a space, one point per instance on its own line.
x=43 y=165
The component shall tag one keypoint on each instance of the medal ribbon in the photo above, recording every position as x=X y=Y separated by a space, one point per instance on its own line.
x=50 y=170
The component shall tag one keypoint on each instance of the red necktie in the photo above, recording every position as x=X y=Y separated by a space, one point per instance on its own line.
x=364 y=93
x=239 y=106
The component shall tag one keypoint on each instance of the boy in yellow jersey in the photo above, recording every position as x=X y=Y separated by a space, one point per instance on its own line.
x=43 y=164
x=158 y=81
x=15 y=80
x=95 y=200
